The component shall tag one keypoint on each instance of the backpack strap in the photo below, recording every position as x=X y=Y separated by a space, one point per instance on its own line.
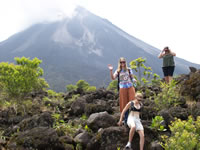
x=118 y=79
x=129 y=71
x=132 y=107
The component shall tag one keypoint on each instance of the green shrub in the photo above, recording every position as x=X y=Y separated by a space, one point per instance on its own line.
x=22 y=78
x=71 y=87
x=52 y=93
x=79 y=146
x=87 y=129
x=157 y=123
x=91 y=89
x=156 y=80
x=184 y=135
x=84 y=117
x=169 y=96
x=81 y=84
x=56 y=97
x=113 y=85
x=62 y=127
x=74 y=97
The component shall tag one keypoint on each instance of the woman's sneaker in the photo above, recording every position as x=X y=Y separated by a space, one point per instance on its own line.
x=128 y=146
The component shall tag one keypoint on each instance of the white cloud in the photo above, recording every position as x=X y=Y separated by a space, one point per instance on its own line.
x=17 y=15
x=47 y=10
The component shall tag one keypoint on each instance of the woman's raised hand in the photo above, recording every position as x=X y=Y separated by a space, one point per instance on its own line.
x=110 y=67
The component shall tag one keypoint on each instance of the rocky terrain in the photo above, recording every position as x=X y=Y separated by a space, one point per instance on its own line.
x=81 y=120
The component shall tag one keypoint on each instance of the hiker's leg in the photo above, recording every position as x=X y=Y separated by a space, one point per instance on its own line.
x=167 y=79
x=171 y=72
x=170 y=78
x=166 y=74
x=141 y=134
x=131 y=94
x=131 y=133
x=122 y=98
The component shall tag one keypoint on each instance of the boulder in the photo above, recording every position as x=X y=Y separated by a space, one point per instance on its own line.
x=148 y=112
x=112 y=138
x=40 y=94
x=156 y=146
x=104 y=94
x=98 y=106
x=179 y=112
x=166 y=116
x=9 y=116
x=40 y=120
x=78 y=107
x=69 y=147
x=83 y=138
x=191 y=86
x=67 y=139
x=192 y=69
x=195 y=110
x=41 y=138
x=100 y=120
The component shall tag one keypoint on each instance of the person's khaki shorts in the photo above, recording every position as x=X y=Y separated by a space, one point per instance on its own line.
x=134 y=121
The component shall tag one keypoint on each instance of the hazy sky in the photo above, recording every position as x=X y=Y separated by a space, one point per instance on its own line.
x=160 y=23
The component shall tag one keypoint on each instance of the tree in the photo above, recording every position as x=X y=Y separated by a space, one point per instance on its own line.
x=81 y=84
x=138 y=65
x=113 y=85
x=71 y=87
x=91 y=88
x=22 y=78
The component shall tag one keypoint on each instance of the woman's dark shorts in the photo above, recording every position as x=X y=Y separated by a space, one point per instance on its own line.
x=168 y=71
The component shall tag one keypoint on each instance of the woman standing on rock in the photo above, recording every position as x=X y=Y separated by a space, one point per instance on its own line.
x=134 y=122
x=125 y=78
x=168 y=63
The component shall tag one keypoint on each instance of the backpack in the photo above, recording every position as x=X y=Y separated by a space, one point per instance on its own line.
x=119 y=79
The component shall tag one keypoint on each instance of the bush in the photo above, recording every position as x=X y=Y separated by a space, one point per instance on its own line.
x=185 y=135
x=157 y=123
x=169 y=96
x=91 y=89
x=113 y=85
x=71 y=87
x=81 y=84
x=156 y=80
x=145 y=74
x=22 y=78
x=138 y=65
